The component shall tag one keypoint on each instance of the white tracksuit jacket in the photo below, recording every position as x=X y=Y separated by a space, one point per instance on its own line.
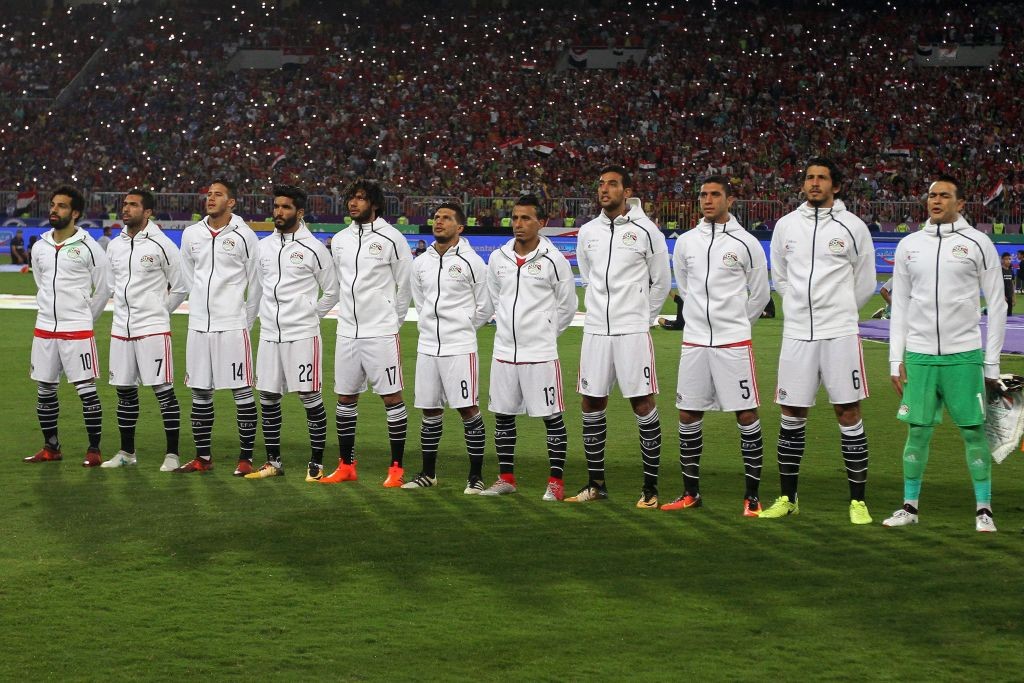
x=219 y=269
x=722 y=276
x=374 y=264
x=533 y=303
x=625 y=267
x=141 y=270
x=937 y=274
x=72 y=279
x=823 y=266
x=450 y=291
x=293 y=268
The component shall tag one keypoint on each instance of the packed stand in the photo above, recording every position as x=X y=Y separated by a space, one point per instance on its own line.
x=437 y=104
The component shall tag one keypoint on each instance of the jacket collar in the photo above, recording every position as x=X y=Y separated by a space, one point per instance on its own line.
x=377 y=224
x=148 y=231
x=77 y=236
x=634 y=211
x=462 y=247
x=945 y=229
x=542 y=248
x=730 y=225
x=300 y=234
x=234 y=223
x=808 y=211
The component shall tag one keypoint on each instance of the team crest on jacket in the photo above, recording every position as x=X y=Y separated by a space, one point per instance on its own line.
x=75 y=253
x=455 y=270
x=960 y=251
x=836 y=245
x=229 y=244
x=375 y=249
x=147 y=260
x=534 y=269
x=629 y=238
x=730 y=259
x=296 y=257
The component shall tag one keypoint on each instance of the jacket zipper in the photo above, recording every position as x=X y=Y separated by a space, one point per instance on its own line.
x=277 y=311
x=56 y=253
x=355 y=276
x=515 y=300
x=213 y=265
x=810 y=275
x=607 y=284
x=437 y=318
x=938 y=333
x=707 y=288
x=128 y=320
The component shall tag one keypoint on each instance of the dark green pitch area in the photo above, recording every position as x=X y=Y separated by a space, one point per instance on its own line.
x=137 y=574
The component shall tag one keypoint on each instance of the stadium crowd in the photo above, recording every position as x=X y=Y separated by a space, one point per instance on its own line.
x=435 y=104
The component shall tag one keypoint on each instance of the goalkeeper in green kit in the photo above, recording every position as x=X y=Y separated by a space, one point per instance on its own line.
x=935 y=346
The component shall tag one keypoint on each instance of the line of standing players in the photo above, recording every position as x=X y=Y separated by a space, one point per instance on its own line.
x=823 y=266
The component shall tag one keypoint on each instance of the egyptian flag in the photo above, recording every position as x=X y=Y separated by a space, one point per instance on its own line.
x=995 y=195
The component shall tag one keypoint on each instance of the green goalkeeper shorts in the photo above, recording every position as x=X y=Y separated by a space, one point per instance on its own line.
x=958 y=383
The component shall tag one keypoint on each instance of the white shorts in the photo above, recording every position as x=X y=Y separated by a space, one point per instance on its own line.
x=626 y=359
x=806 y=365
x=450 y=380
x=76 y=359
x=377 y=359
x=531 y=388
x=287 y=367
x=218 y=360
x=717 y=378
x=144 y=360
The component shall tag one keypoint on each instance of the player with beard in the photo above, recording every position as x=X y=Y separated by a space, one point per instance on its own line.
x=71 y=275
x=623 y=259
x=294 y=267
x=449 y=287
x=823 y=266
x=144 y=265
x=218 y=262
x=374 y=265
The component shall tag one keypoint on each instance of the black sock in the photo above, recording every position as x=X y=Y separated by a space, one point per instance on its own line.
x=558 y=440
x=854 y=444
x=245 y=418
x=127 y=416
x=345 y=415
x=476 y=438
x=650 y=447
x=398 y=424
x=792 y=439
x=752 y=451
x=316 y=421
x=505 y=442
x=48 y=410
x=691 y=446
x=202 y=421
x=92 y=413
x=595 y=431
x=430 y=437
x=270 y=405
x=171 y=413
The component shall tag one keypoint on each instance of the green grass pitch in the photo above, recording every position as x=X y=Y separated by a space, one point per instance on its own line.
x=137 y=574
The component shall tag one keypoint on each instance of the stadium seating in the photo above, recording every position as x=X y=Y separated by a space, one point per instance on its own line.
x=439 y=104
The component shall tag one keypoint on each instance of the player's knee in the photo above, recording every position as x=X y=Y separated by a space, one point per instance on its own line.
x=202 y=395
x=242 y=395
x=46 y=389
x=269 y=398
